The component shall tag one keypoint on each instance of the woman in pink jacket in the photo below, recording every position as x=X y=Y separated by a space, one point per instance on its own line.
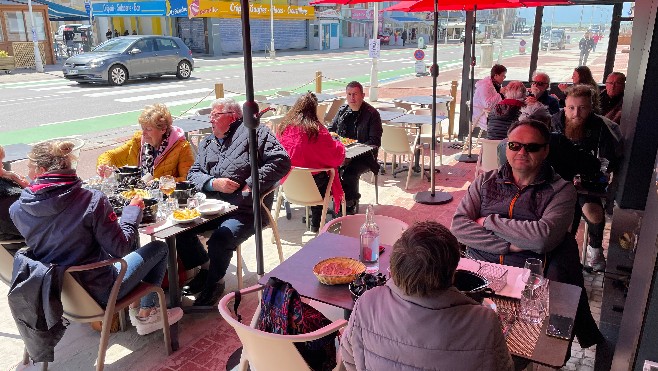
x=310 y=145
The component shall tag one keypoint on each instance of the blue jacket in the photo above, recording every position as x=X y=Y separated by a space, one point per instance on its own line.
x=230 y=159
x=67 y=225
x=36 y=305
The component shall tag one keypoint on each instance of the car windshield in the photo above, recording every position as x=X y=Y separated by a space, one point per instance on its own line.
x=114 y=45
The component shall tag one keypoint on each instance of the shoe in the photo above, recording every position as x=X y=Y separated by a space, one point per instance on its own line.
x=209 y=296
x=196 y=284
x=315 y=228
x=153 y=322
x=132 y=315
x=595 y=259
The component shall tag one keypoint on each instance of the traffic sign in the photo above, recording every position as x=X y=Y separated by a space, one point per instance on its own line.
x=87 y=7
x=373 y=48
x=419 y=55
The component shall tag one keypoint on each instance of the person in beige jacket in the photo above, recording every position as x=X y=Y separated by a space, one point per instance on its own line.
x=419 y=320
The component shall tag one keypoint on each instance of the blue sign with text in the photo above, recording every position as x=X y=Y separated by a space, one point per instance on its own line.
x=135 y=9
x=177 y=8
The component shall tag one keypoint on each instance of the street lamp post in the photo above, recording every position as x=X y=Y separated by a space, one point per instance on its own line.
x=374 y=84
x=502 y=37
x=272 y=52
x=35 y=40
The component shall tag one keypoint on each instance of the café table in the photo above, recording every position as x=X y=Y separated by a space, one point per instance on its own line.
x=290 y=100
x=526 y=341
x=425 y=100
x=15 y=152
x=193 y=123
x=389 y=115
x=166 y=230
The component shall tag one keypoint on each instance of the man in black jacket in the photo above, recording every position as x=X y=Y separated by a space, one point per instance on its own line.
x=222 y=171
x=539 y=93
x=360 y=121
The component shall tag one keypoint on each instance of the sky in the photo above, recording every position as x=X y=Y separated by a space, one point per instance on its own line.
x=591 y=14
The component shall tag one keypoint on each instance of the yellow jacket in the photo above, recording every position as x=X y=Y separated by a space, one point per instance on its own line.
x=175 y=160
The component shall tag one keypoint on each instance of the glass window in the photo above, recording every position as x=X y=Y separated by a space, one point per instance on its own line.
x=145 y=45
x=1 y=32
x=166 y=44
x=39 y=24
x=15 y=26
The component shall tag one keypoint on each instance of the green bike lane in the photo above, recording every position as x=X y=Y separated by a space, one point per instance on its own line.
x=91 y=125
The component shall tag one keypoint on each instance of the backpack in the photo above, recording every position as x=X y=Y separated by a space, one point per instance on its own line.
x=284 y=313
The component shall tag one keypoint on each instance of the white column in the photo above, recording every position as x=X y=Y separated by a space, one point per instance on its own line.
x=272 y=52
x=35 y=40
x=374 y=83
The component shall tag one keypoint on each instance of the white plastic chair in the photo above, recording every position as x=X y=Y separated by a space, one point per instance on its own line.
x=488 y=159
x=396 y=142
x=426 y=130
x=322 y=111
x=264 y=351
x=333 y=110
x=299 y=188
x=390 y=229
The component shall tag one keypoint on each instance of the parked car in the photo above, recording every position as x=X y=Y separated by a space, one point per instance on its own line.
x=384 y=39
x=556 y=38
x=130 y=57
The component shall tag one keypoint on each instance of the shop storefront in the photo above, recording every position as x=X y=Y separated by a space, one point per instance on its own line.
x=142 y=17
x=324 y=31
x=15 y=28
x=357 y=27
x=193 y=31
x=291 y=24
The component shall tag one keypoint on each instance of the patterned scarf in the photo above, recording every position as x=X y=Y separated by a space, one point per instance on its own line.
x=150 y=153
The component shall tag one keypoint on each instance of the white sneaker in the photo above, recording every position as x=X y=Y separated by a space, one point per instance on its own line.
x=132 y=315
x=147 y=325
x=595 y=259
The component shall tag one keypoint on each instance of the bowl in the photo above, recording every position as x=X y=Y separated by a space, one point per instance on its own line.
x=211 y=208
x=472 y=285
x=364 y=282
x=338 y=271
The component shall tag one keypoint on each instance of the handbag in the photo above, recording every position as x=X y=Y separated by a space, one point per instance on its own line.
x=284 y=313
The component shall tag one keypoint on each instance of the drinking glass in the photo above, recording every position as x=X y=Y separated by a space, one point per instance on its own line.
x=167 y=186
x=533 y=273
x=532 y=308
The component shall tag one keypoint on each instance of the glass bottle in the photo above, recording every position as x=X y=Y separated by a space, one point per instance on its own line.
x=369 y=246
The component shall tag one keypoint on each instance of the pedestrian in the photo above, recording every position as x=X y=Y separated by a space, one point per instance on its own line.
x=116 y=33
x=126 y=33
x=404 y=37
x=413 y=34
x=585 y=45
x=595 y=41
x=134 y=32
x=108 y=34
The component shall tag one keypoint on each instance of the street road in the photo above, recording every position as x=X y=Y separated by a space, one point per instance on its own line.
x=56 y=107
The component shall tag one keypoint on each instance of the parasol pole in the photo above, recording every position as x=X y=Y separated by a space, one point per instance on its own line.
x=249 y=111
x=432 y=197
x=470 y=157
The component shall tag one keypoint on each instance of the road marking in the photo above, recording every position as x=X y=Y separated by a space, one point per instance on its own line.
x=138 y=90
x=52 y=88
x=87 y=118
x=162 y=95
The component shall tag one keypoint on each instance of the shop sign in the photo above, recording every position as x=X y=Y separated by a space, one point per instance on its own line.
x=224 y=9
x=177 y=8
x=136 y=8
x=365 y=14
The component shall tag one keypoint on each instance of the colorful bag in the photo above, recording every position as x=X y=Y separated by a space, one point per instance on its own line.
x=283 y=312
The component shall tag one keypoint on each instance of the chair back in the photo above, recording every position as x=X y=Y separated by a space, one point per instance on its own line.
x=488 y=155
x=322 y=111
x=395 y=140
x=274 y=121
x=299 y=187
x=333 y=110
x=6 y=263
x=390 y=229
x=78 y=305
x=406 y=106
x=265 y=351
x=203 y=111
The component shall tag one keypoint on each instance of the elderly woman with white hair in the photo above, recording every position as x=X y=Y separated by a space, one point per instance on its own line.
x=506 y=111
x=158 y=149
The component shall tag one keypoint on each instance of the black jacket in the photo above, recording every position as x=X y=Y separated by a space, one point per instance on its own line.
x=369 y=125
x=36 y=305
x=550 y=102
x=230 y=159
x=501 y=117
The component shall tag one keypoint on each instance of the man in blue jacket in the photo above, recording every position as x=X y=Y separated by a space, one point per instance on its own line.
x=222 y=170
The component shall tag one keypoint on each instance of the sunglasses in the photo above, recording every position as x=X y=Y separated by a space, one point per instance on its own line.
x=529 y=147
x=539 y=83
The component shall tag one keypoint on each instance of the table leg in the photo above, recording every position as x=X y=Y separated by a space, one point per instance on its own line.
x=174 y=292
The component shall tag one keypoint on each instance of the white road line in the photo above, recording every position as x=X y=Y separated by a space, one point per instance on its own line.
x=162 y=95
x=88 y=118
x=24 y=84
x=52 y=88
x=26 y=98
x=138 y=90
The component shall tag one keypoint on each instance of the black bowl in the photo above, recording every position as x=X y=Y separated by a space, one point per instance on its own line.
x=183 y=191
x=150 y=213
x=472 y=284
x=364 y=282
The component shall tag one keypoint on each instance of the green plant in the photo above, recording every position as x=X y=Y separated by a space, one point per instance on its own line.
x=3 y=54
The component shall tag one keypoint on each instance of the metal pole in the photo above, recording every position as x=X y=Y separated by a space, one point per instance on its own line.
x=272 y=51
x=613 y=39
x=38 y=63
x=536 y=36
x=550 y=33
x=249 y=110
x=502 y=37
x=374 y=83
x=470 y=157
x=582 y=9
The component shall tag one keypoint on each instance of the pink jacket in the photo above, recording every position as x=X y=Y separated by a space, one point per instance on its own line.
x=323 y=152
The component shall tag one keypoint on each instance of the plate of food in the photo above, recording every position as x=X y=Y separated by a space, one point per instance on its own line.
x=181 y=216
x=135 y=192
x=338 y=271
x=347 y=141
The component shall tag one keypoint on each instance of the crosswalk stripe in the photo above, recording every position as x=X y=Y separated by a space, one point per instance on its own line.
x=138 y=90
x=53 y=88
x=162 y=95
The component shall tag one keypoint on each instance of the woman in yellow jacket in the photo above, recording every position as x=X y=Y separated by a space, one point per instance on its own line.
x=158 y=149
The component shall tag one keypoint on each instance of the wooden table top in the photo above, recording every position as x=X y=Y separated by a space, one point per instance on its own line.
x=298 y=269
x=174 y=229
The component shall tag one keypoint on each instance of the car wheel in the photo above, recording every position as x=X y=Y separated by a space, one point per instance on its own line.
x=117 y=75
x=184 y=70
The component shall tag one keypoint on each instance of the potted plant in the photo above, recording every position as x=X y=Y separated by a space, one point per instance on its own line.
x=7 y=62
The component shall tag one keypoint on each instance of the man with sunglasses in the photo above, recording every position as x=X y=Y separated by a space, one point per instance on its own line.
x=222 y=170
x=524 y=210
x=602 y=138
x=539 y=93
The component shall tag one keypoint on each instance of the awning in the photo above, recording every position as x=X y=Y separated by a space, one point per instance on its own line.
x=56 y=12
x=405 y=19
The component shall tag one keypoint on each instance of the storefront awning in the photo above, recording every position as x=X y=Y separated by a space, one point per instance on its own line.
x=405 y=19
x=130 y=9
x=56 y=12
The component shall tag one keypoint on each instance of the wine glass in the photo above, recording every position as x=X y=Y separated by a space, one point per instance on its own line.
x=167 y=186
x=533 y=273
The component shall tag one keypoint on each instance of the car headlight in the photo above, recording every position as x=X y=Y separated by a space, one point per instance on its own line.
x=95 y=64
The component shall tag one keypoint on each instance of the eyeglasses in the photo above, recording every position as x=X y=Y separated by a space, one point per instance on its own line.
x=614 y=83
x=215 y=115
x=539 y=83
x=529 y=147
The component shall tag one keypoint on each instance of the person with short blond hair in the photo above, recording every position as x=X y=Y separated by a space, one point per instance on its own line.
x=160 y=148
x=505 y=112
x=419 y=320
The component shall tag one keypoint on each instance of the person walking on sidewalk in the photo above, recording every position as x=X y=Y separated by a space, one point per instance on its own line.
x=585 y=45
